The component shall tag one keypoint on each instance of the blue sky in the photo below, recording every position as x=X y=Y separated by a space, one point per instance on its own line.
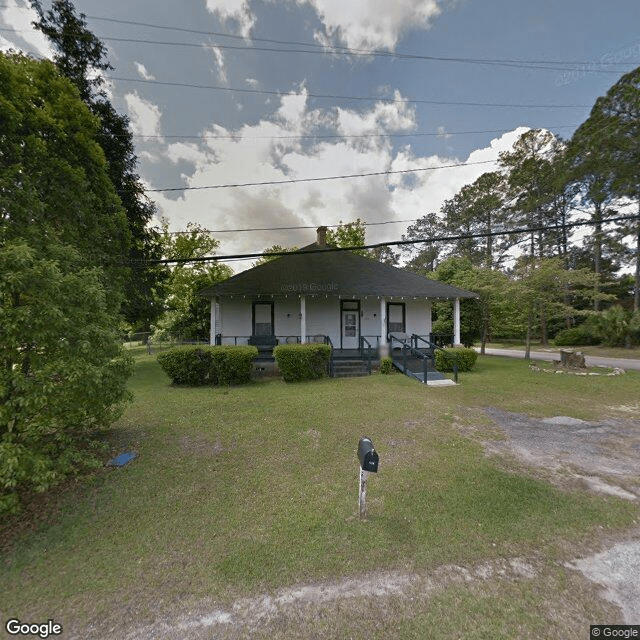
x=282 y=115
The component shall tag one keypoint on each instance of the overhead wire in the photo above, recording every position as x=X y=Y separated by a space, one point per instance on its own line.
x=313 y=226
x=320 y=48
x=320 y=179
x=451 y=238
x=273 y=92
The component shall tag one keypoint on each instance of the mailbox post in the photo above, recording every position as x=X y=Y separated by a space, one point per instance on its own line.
x=368 y=457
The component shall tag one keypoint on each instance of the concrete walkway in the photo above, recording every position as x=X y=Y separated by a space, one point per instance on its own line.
x=591 y=361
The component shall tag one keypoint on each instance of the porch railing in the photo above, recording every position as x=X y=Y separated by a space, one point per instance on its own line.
x=409 y=351
x=365 y=351
x=433 y=347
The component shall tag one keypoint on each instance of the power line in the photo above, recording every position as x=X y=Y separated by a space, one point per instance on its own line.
x=323 y=179
x=330 y=226
x=334 y=136
x=323 y=47
x=316 y=48
x=368 y=54
x=342 y=97
x=464 y=236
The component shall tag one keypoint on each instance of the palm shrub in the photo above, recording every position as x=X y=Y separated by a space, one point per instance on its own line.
x=618 y=327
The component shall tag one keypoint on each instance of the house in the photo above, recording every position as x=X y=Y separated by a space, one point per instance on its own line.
x=326 y=295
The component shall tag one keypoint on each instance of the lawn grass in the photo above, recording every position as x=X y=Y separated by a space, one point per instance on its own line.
x=244 y=490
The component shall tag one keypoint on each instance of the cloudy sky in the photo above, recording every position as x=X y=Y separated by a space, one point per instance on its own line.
x=238 y=92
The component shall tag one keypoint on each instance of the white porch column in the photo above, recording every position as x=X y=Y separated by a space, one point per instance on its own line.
x=456 y=322
x=384 y=345
x=303 y=319
x=429 y=318
x=212 y=329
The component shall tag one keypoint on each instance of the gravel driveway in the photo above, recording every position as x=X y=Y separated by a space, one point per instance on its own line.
x=601 y=456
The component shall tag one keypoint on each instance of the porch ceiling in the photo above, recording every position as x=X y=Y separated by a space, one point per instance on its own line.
x=334 y=273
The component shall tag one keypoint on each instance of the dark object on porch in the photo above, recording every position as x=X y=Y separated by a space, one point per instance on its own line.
x=263 y=343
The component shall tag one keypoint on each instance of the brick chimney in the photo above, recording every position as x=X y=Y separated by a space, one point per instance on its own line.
x=321 y=236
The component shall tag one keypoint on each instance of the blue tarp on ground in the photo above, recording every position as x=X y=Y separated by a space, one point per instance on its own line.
x=121 y=460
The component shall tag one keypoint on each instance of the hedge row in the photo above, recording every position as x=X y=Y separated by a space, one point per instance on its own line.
x=208 y=365
x=299 y=362
x=581 y=335
x=445 y=358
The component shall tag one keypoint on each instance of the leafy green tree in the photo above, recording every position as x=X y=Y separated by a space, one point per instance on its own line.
x=348 y=234
x=186 y=311
x=54 y=180
x=479 y=209
x=531 y=187
x=63 y=239
x=606 y=153
x=268 y=254
x=352 y=234
x=424 y=257
x=540 y=288
x=82 y=57
x=384 y=254
x=494 y=309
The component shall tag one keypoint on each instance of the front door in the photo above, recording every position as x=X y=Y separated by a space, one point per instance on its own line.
x=350 y=324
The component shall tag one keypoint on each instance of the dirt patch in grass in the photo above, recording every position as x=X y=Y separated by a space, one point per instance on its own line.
x=201 y=445
x=601 y=455
x=448 y=601
x=577 y=455
x=272 y=614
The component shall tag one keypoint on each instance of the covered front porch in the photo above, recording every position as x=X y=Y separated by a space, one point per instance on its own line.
x=347 y=324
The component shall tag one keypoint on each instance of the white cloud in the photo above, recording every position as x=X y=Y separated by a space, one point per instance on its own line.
x=145 y=116
x=272 y=150
x=359 y=24
x=142 y=71
x=373 y=23
x=27 y=39
x=237 y=10
x=181 y=151
x=218 y=58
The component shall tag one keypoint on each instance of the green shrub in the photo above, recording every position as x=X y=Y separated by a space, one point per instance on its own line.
x=445 y=358
x=299 y=362
x=386 y=365
x=618 y=327
x=208 y=365
x=580 y=335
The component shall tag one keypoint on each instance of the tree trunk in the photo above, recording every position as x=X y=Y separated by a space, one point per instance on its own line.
x=597 y=254
x=544 y=335
x=485 y=334
x=527 y=342
x=636 y=288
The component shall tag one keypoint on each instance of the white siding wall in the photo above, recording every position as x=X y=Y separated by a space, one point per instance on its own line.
x=418 y=316
x=323 y=317
x=235 y=318
x=287 y=316
x=370 y=318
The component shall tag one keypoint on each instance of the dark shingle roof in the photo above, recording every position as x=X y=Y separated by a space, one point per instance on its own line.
x=339 y=273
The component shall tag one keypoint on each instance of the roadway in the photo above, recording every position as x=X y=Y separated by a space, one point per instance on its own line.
x=590 y=361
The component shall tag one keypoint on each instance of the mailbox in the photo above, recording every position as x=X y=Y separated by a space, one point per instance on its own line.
x=367 y=455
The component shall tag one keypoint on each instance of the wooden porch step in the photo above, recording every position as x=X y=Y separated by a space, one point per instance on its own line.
x=349 y=368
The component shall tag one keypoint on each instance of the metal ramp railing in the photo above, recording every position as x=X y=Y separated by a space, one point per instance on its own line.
x=415 y=358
